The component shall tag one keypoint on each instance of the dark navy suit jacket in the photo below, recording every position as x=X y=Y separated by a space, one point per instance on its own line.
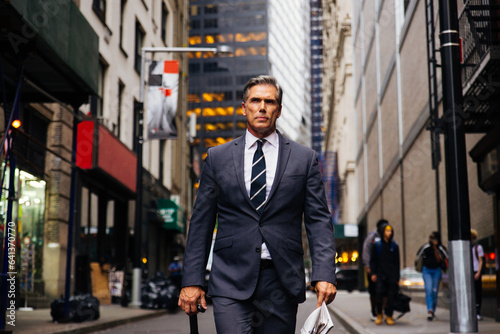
x=297 y=195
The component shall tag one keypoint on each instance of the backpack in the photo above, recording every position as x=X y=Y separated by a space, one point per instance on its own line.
x=378 y=244
x=477 y=257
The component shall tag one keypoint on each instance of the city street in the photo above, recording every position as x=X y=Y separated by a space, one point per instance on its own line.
x=179 y=322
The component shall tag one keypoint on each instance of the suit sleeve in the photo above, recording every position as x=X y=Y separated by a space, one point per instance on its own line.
x=319 y=226
x=201 y=228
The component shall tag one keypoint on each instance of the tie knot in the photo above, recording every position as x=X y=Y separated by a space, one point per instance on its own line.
x=260 y=143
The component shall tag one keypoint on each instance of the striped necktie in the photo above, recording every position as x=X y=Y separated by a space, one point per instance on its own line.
x=258 y=181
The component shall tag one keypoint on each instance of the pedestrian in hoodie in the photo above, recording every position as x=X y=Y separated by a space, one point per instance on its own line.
x=384 y=266
x=368 y=244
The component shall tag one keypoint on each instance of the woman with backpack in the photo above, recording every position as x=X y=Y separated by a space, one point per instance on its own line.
x=384 y=265
x=434 y=257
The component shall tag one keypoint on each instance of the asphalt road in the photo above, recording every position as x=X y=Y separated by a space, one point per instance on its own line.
x=178 y=323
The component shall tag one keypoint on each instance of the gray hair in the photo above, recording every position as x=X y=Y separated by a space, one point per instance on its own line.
x=263 y=80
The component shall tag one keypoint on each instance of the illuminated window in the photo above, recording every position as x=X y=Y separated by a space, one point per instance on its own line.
x=241 y=125
x=197 y=111
x=194 y=10
x=193 y=98
x=250 y=37
x=224 y=38
x=208 y=112
x=194 y=40
x=209 y=39
x=222 y=96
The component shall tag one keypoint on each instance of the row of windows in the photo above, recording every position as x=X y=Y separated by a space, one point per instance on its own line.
x=211 y=142
x=210 y=97
x=238 y=52
x=216 y=111
x=227 y=9
x=217 y=127
x=228 y=22
x=228 y=37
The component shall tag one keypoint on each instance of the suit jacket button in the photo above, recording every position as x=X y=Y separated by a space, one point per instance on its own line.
x=257 y=250
x=261 y=224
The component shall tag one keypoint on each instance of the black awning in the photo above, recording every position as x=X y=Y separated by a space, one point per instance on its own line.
x=57 y=47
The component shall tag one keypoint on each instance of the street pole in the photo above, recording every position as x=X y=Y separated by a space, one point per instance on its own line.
x=137 y=260
x=462 y=299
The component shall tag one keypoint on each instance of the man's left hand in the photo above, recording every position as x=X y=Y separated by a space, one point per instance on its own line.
x=326 y=292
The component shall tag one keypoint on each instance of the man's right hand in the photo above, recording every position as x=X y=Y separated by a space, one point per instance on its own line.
x=188 y=299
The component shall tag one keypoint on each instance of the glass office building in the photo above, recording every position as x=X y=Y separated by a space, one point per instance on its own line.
x=268 y=37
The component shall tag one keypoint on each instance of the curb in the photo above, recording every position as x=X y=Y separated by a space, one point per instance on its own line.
x=110 y=324
x=352 y=326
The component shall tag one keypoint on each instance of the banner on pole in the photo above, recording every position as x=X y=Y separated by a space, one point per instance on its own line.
x=163 y=88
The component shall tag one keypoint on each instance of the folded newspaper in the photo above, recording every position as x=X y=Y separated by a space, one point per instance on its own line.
x=318 y=322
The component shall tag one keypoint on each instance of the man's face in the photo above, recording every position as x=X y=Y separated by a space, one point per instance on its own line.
x=261 y=110
x=387 y=233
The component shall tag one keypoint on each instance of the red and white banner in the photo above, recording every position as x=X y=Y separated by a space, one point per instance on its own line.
x=161 y=104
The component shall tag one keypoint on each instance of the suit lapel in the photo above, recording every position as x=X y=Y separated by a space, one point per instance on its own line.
x=283 y=155
x=239 y=165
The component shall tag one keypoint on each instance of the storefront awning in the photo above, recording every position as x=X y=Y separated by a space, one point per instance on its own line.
x=100 y=151
x=345 y=231
x=173 y=215
x=57 y=47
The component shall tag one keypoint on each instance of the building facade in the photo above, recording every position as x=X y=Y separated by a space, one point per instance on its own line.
x=265 y=40
x=398 y=174
x=79 y=126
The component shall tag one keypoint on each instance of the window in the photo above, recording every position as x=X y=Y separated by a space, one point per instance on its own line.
x=195 y=24
x=194 y=68
x=99 y=7
x=210 y=23
x=162 y=160
x=96 y=101
x=136 y=125
x=121 y=93
x=211 y=9
x=122 y=16
x=139 y=42
x=164 y=20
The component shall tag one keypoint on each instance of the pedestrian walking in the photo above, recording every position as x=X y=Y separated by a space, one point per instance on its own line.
x=175 y=271
x=434 y=257
x=370 y=240
x=478 y=264
x=259 y=188
x=384 y=265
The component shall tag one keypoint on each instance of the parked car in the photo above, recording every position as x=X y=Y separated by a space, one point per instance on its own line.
x=411 y=280
x=347 y=278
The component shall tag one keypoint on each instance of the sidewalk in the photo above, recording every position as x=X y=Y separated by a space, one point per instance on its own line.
x=352 y=309
x=40 y=322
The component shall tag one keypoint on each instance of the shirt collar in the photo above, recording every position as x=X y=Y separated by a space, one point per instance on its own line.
x=250 y=139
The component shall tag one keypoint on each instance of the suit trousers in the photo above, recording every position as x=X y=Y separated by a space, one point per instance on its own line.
x=271 y=309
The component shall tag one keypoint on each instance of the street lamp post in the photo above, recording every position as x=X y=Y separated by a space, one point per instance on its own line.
x=462 y=308
x=137 y=272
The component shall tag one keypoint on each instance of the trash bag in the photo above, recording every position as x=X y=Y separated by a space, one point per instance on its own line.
x=159 y=293
x=81 y=308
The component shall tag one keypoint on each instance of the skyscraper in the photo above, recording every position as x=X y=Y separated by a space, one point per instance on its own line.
x=268 y=37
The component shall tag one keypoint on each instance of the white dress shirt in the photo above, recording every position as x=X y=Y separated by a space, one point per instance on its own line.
x=270 y=149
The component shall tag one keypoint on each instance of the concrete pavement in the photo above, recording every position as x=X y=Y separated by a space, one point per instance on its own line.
x=351 y=309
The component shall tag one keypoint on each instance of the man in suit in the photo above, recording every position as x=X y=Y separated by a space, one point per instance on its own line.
x=259 y=188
